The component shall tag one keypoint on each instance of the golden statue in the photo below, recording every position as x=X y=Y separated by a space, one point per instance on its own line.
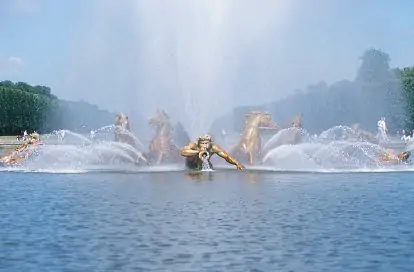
x=297 y=129
x=390 y=157
x=297 y=121
x=22 y=152
x=162 y=147
x=250 y=143
x=204 y=148
x=121 y=123
x=122 y=130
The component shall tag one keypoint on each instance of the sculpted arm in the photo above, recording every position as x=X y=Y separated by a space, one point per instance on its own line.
x=219 y=151
x=189 y=150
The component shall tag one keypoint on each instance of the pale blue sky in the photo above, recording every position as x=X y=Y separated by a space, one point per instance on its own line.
x=321 y=40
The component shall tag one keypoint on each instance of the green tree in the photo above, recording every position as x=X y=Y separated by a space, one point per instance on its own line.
x=26 y=107
x=407 y=81
x=377 y=91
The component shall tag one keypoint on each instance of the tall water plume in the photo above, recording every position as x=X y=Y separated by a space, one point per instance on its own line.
x=184 y=56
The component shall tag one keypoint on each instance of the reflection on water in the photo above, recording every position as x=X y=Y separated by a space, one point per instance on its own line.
x=200 y=176
x=216 y=221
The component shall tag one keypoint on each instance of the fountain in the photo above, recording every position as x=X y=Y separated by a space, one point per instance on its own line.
x=76 y=151
x=187 y=57
x=188 y=62
x=64 y=136
x=335 y=148
x=205 y=165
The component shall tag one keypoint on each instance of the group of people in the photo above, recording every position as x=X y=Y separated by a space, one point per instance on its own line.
x=24 y=136
x=406 y=135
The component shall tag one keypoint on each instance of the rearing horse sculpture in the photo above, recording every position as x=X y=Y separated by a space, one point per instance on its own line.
x=297 y=128
x=295 y=131
x=250 y=143
x=121 y=124
x=122 y=130
x=162 y=147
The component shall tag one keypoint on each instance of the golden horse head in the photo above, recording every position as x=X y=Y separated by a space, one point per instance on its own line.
x=260 y=119
x=160 y=117
x=34 y=136
x=121 y=119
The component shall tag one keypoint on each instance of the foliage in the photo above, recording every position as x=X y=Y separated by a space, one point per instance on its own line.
x=26 y=107
x=407 y=80
x=377 y=91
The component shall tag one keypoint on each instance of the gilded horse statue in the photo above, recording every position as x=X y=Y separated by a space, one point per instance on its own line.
x=296 y=126
x=21 y=153
x=162 y=147
x=250 y=144
x=121 y=124
x=123 y=130
x=390 y=157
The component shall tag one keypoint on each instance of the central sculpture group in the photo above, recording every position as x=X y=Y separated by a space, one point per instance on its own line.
x=163 y=148
x=248 y=149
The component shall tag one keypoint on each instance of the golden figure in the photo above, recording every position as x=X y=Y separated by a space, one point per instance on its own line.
x=297 y=129
x=121 y=124
x=162 y=147
x=122 y=121
x=390 y=157
x=204 y=147
x=250 y=143
x=297 y=121
x=122 y=131
x=22 y=152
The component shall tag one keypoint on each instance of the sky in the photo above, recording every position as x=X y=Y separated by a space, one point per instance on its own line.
x=196 y=59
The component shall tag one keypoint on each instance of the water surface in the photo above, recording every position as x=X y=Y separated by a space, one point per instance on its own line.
x=221 y=221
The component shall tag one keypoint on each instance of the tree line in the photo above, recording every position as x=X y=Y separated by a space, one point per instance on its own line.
x=35 y=108
x=377 y=91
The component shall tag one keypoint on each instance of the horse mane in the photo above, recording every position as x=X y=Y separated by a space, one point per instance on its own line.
x=162 y=114
x=163 y=121
x=120 y=120
x=253 y=115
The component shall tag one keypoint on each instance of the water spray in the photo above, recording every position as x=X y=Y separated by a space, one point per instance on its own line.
x=205 y=166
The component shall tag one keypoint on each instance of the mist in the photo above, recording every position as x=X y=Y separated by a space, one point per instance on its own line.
x=195 y=59
x=200 y=59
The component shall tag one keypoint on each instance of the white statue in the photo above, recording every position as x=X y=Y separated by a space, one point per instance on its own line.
x=382 y=130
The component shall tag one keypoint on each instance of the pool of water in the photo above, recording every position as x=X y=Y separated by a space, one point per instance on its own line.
x=220 y=221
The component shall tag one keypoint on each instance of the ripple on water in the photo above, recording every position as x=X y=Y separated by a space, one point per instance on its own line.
x=153 y=223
